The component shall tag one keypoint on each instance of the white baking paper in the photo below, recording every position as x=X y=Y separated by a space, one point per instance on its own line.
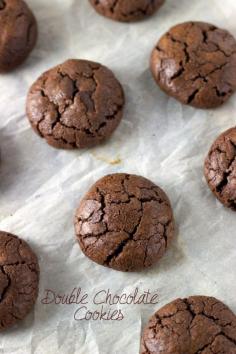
x=159 y=138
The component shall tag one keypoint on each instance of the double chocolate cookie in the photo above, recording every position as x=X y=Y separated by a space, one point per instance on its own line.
x=19 y=278
x=77 y=104
x=18 y=33
x=126 y=10
x=124 y=222
x=195 y=325
x=220 y=168
x=195 y=62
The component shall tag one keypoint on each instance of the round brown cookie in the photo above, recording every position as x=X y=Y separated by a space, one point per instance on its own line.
x=220 y=168
x=18 y=33
x=199 y=324
x=124 y=222
x=126 y=11
x=77 y=104
x=19 y=278
x=195 y=62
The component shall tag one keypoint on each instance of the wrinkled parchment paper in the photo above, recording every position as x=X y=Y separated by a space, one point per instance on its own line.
x=159 y=138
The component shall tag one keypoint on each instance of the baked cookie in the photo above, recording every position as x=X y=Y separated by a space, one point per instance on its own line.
x=126 y=11
x=19 y=278
x=199 y=324
x=195 y=62
x=18 y=33
x=124 y=222
x=77 y=104
x=220 y=168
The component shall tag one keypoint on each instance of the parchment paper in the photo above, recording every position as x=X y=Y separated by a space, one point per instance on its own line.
x=158 y=138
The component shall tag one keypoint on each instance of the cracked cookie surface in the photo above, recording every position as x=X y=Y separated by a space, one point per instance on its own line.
x=124 y=222
x=199 y=324
x=77 y=104
x=19 y=278
x=220 y=168
x=18 y=33
x=126 y=11
x=195 y=62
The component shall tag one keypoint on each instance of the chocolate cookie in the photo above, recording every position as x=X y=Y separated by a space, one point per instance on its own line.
x=126 y=11
x=19 y=278
x=124 y=222
x=18 y=33
x=199 y=324
x=77 y=104
x=220 y=168
x=195 y=62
